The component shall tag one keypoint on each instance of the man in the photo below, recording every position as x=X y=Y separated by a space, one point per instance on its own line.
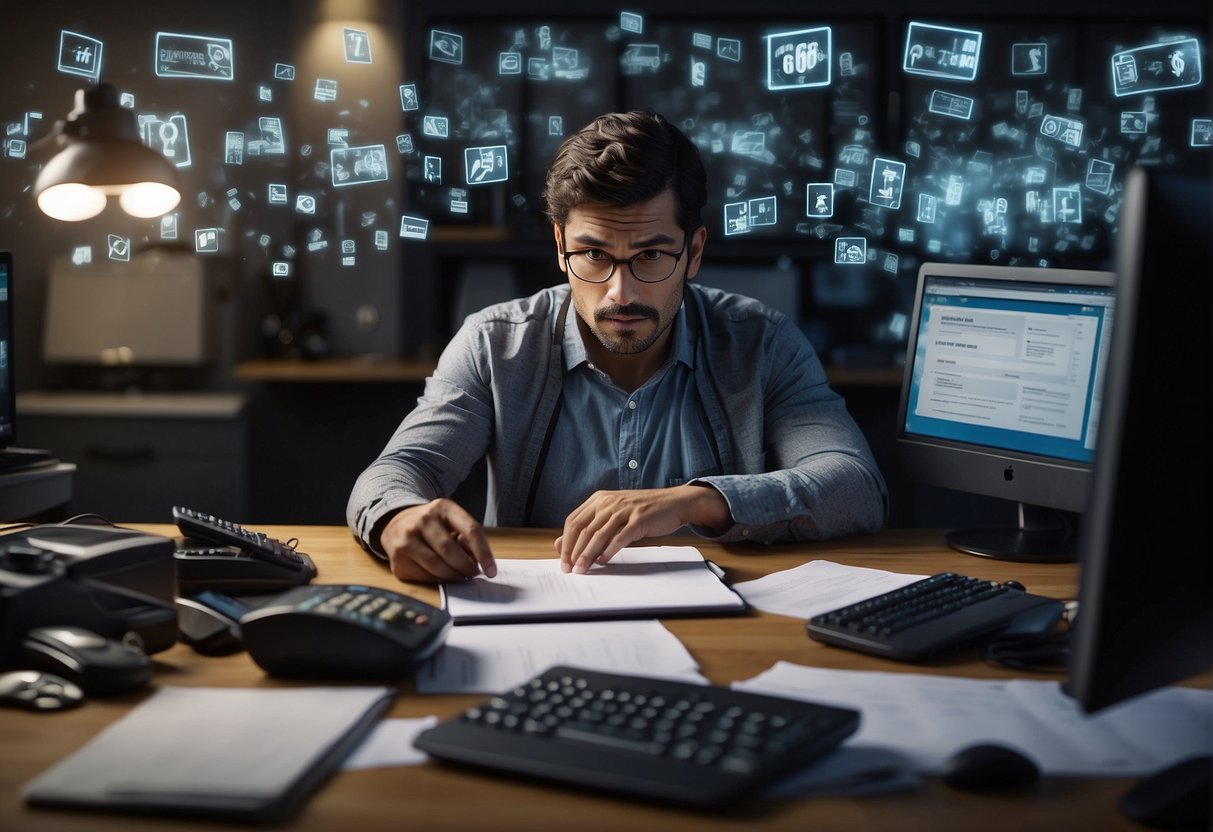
x=625 y=404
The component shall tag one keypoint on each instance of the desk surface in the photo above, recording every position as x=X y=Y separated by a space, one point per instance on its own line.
x=728 y=649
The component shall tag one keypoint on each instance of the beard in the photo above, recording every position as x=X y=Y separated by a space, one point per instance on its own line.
x=627 y=341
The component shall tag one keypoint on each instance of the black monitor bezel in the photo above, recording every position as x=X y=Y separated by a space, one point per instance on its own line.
x=8 y=396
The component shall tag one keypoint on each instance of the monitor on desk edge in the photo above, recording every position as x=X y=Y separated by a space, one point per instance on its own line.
x=8 y=395
x=1001 y=395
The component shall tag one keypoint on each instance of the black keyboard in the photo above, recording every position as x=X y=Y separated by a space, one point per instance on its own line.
x=674 y=741
x=939 y=614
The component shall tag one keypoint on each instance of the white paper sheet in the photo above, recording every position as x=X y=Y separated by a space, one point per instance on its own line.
x=490 y=658
x=391 y=744
x=819 y=586
x=927 y=718
x=638 y=580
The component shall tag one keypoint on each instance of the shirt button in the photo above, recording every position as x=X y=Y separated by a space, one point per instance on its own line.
x=631 y=405
x=633 y=464
x=745 y=532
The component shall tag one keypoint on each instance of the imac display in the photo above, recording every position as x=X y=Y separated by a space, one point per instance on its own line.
x=1001 y=395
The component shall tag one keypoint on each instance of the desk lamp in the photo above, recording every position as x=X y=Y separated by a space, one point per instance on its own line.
x=102 y=156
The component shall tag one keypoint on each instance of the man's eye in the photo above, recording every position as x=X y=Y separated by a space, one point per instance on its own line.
x=594 y=255
x=650 y=254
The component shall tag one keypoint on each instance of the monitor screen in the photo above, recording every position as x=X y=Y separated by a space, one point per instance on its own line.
x=7 y=376
x=1001 y=394
x=1145 y=614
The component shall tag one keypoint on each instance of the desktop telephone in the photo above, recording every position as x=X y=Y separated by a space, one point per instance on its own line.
x=221 y=555
x=335 y=631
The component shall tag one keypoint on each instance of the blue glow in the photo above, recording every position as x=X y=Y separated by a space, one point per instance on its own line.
x=1202 y=133
x=409 y=100
x=926 y=208
x=800 y=59
x=305 y=204
x=640 y=57
x=942 y=51
x=357 y=46
x=80 y=54
x=1029 y=58
x=436 y=126
x=358 y=165
x=446 y=47
x=1099 y=176
x=950 y=104
x=736 y=218
x=851 y=251
x=1067 y=205
x=326 y=89
x=284 y=72
x=276 y=194
x=233 y=153
x=819 y=199
x=509 y=63
x=631 y=22
x=1068 y=131
x=170 y=136
x=433 y=169
x=729 y=49
x=194 y=56
x=483 y=165
x=118 y=247
x=1156 y=67
x=763 y=211
x=888 y=180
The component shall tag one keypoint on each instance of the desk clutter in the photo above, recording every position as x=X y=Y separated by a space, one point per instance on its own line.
x=584 y=685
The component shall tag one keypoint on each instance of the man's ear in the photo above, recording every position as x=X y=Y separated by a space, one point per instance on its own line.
x=557 y=234
x=695 y=246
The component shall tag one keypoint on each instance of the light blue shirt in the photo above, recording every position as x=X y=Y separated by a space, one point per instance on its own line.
x=609 y=439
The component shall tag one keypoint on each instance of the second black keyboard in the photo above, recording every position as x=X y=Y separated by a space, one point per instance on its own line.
x=936 y=615
x=691 y=744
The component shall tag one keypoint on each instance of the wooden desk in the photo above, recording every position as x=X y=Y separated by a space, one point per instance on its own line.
x=728 y=649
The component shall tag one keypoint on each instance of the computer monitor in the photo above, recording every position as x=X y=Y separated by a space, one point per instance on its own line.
x=1145 y=612
x=1001 y=395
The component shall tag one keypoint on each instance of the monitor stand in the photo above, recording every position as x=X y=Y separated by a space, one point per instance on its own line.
x=1044 y=535
x=1175 y=798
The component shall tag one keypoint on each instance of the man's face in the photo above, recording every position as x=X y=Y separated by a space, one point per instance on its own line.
x=626 y=315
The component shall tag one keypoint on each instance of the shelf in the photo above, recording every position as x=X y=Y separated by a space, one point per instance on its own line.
x=336 y=370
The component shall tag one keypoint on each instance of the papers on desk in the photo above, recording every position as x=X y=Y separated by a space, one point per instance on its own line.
x=240 y=754
x=926 y=718
x=819 y=586
x=491 y=658
x=639 y=581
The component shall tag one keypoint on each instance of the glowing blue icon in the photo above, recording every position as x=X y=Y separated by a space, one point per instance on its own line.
x=15 y=148
x=763 y=211
x=358 y=165
x=1099 y=176
x=432 y=166
x=749 y=143
x=853 y=154
x=280 y=268
x=851 y=251
x=844 y=178
x=1156 y=67
x=926 y=207
x=891 y=262
x=846 y=64
x=305 y=204
x=357 y=46
x=446 y=47
x=459 y=201
x=736 y=218
x=1067 y=205
x=565 y=63
x=284 y=72
x=509 y=63
x=436 y=126
x=1029 y=59
x=555 y=125
x=276 y=193
x=404 y=143
x=1065 y=130
x=338 y=136
x=631 y=22
x=119 y=247
x=950 y=104
x=80 y=54
x=381 y=240
x=169 y=136
x=729 y=49
x=206 y=240
x=194 y=56
x=348 y=249
x=408 y=98
x=168 y=226
x=640 y=57
x=701 y=40
x=1202 y=133
x=482 y=165
x=272 y=142
x=942 y=51
x=326 y=89
x=1133 y=122
x=538 y=69
x=888 y=179
x=233 y=153
x=415 y=228
x=699 y=73
x=82 y=255
x=799 y=59
x=819 y=199
x=955 y=190
x=265 y=93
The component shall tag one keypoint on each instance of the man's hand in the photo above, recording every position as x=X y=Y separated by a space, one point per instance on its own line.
x=436 y=541
x=609 y=520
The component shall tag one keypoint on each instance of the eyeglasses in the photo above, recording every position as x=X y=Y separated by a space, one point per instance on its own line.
x=593 y=265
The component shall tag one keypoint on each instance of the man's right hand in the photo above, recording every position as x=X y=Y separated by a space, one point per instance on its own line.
x=436 y=541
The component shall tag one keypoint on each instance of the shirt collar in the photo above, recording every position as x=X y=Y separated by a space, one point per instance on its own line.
x=574 y=348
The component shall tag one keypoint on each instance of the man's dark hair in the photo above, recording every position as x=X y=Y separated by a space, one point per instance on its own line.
x=624 y=159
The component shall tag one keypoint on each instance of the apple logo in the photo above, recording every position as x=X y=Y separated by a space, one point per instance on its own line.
x=1009 y=473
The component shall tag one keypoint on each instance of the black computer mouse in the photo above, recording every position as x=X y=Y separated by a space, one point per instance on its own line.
x=98 y=665
x=38 y=691
x=989 y=766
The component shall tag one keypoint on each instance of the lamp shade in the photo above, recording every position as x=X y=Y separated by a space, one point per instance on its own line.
x=102 y=156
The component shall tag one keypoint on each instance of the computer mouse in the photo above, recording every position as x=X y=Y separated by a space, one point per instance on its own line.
x=98 y=665
x=38 y=691
x=1015 y=585
x=989 y=766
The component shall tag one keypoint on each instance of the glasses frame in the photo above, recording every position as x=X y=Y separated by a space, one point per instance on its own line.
x=616 y=262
